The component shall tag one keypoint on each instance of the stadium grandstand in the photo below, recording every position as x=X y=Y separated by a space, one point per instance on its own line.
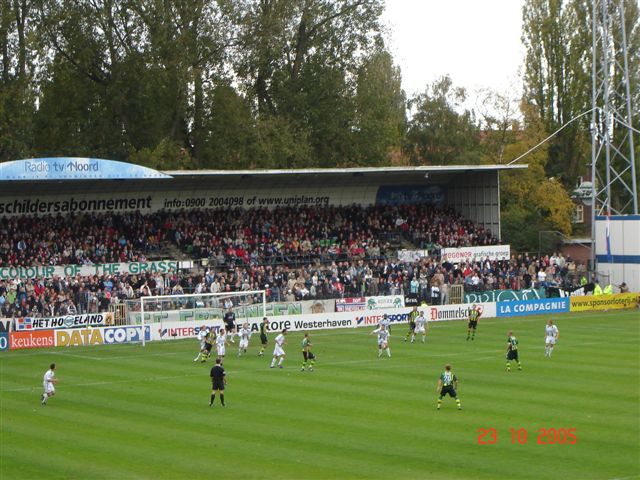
x=298 y=234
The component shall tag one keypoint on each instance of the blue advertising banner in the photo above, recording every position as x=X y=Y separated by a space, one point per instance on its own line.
x=74 y=168
x=125 y=334
x=532 y=307
x=4 y=341
x=410 y=195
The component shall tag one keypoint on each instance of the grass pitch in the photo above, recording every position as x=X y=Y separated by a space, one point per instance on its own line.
x=129 y=412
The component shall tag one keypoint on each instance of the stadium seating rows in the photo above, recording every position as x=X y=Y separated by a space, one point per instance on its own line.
x=294 y=253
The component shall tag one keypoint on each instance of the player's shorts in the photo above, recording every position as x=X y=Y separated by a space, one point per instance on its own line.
x=217 y=384
x=208 y=347
x=221 y=350
x=278 y=351
x=230 y=327
x=412 y=326
x=263 y=339
x=448 y=390
x=420 y=330
x=49 y=387
x=244 y=343
x=512 y=355
x=382 y=343
x=473 y=324
x=550 y=341
x=308 y=356
x=202 y=344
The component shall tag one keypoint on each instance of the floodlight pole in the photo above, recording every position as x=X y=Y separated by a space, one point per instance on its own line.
x=613 y=168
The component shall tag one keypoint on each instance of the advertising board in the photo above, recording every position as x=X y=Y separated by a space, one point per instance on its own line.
x=504 y=295
x=604 y=302
x=66 y=321
x=31 y=339
x=532 y=307
x=50 y=271
x=472 y=254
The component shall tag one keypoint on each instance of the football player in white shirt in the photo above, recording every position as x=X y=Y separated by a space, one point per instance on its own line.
x=244 y=334
x=202 y=334
x=385 y=322
x=278 y=351
x=221 y=343
x=552 y=334
x=48 y=383
x=383 y=340
x=421 y=327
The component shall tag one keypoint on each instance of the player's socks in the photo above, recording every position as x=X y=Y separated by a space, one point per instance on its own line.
x=550 y=351
x=44 y=399
x=222 y=399
x=389 y=352
x=439 y=403
x=280 y=362
x=213 y=397
x=519 y=366
x=379 y=352
x=273 y=362
x=508 y=366
x=458 y=402
x=413 y=338
x=424 y=339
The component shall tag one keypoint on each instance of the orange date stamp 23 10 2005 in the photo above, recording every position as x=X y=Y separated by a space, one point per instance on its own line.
x=546 y=436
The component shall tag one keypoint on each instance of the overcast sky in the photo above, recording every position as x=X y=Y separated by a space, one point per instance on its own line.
x=476 y=42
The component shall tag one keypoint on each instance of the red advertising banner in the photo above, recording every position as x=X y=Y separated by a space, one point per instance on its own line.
x=31 y=339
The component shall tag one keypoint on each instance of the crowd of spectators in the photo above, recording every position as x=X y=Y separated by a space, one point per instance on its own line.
x=293 y=235
x=78 y=239
x=232 y=237
x=293 y=253
x=426 y=280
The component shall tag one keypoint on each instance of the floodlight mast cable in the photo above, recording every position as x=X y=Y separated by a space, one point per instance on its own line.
x=550 y=136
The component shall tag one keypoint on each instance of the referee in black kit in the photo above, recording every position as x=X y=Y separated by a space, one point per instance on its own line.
x=218 y=381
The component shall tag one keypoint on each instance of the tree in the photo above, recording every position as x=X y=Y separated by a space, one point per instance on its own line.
x=231 y=137
x=17 y=88
x=438 y=134
x=280 y=38
x=380 y=118
x=532 y=202
x=557 y=36
x=297 y=60
x=500 y=119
